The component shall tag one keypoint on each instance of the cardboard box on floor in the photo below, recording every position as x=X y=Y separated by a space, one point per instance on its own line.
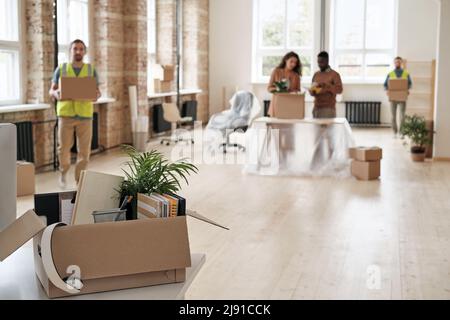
x=25 y=178
x=81 y=89
x=108 y=256
x=398 y=90
x=288 y=106
x=366 y=170
x=366 y=153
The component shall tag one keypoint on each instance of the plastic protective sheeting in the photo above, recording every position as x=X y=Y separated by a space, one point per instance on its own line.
x=299 y=147
x=244 y=106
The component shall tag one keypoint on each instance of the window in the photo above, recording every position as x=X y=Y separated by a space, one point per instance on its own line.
x=364 y=37
x=151 y=41
x=10 y=45
x=73 y=23
x=283 y=26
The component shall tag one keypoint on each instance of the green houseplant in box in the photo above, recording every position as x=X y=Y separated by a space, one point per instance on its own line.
x=150 y=172
x=414 y=127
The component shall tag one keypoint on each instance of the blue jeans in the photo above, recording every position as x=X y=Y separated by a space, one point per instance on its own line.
x=394 y=105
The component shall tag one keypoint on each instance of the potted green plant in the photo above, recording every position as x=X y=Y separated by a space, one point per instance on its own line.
x=281 y=86
x=414 y=127
x=150 y=172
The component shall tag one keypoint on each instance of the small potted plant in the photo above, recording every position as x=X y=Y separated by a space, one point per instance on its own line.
x=414 y=127
x=150 y=172
x=281 y=86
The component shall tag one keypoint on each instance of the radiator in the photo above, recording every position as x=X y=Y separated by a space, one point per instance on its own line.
x=363 y=112
x=189 y=109
x=159 y=124
x=25 y=144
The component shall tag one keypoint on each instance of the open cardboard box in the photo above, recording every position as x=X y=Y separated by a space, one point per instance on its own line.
x=105 y=256
x=288 y=105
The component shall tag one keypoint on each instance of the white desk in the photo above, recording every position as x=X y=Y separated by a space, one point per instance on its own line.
x=307 y=147
x=19 y=282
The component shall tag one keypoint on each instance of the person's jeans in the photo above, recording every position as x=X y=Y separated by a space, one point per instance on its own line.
x=402 y=109
x=83 y=132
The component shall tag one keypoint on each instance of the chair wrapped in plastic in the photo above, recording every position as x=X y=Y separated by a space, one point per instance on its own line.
x=244 y=109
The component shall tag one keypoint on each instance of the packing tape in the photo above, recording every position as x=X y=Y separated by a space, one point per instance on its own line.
x=47 y=260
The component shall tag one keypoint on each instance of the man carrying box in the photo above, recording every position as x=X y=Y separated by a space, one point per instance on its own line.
x=398 y=73
x=327 y=84
x=74 y=115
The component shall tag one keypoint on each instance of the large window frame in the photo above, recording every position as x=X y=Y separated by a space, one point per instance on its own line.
x=259 y=51
x=64 y=15
x=364 y=51
x=17 y=47
x=151 y=43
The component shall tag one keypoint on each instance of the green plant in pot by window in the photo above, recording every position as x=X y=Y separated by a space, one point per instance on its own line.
x=414 y=127
x=150 y=172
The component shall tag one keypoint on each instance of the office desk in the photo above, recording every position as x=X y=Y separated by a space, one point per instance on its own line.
x=19 y=282
x=308 y=147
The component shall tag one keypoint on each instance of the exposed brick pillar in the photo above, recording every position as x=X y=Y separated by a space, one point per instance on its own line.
x=109 y=60
x=196 y=51
x=40 y=53
x=166 y=31
x=135 y=56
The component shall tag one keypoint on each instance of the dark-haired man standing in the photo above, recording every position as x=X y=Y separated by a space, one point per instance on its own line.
x=327 y=84
x=74 y=116
x=398 y=73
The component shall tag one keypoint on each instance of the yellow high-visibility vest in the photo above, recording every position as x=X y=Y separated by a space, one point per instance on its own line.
x=84 y=109
x=393 y=75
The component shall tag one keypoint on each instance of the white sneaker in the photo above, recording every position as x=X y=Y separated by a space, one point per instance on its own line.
x=62 y=180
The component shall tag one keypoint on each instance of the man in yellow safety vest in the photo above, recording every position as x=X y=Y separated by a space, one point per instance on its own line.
x=398 y=73
x=74 y=116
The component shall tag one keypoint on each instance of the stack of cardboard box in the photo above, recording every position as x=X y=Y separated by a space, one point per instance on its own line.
x=398 y=90
x=366 y=162
x=164 y=76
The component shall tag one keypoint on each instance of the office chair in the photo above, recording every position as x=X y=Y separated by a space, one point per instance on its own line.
x=244 y=109
x=172 y=114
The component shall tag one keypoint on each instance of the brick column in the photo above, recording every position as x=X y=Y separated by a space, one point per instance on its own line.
x=196 y=51
x=39 y=65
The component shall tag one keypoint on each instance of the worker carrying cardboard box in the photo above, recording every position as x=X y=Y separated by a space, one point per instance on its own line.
x=398 y=92
x=286 y=77
x=327 y=84
x=74 y=114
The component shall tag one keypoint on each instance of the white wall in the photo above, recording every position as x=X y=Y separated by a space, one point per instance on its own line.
x=442 y=114
x=231 y=48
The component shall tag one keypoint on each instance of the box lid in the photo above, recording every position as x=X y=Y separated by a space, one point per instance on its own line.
x=122 y=248
x=19 y=232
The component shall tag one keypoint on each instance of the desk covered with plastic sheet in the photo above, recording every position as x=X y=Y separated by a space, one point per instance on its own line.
x=308 y=147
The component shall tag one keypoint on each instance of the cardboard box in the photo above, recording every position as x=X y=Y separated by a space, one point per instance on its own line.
x=398 y=90
x=166 y=86
x=366 y=153
x=400 y=96
x=288 y=106
x=168 y=73
x=25 y=179
x=398 y=85
x=81 y=89
x=105 y=256
x=366 y=170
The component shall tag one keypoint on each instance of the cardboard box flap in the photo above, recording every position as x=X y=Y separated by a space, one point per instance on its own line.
x=122 y=248
x=19 y=232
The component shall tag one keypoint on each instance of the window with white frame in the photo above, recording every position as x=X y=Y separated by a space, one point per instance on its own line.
x=151 y=41
x=281 y=26
x=73 y=23
x=363 y=38
x=10 y=79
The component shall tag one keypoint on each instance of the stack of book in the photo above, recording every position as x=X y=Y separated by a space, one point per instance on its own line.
x=160 y=206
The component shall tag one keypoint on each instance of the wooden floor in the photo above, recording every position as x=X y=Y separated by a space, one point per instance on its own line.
x=311 y=238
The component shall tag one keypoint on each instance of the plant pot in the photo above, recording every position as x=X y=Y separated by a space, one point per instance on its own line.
x=418 y=154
